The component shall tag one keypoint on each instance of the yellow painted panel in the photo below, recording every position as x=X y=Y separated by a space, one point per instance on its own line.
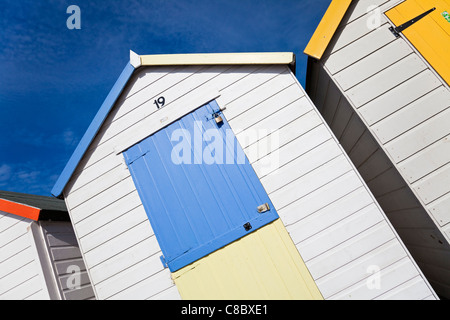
x=431 y=35
x=327 y=27
x=263 y=265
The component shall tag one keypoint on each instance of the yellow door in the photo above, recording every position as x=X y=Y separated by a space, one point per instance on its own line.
x=430 y=35
x=264 y=264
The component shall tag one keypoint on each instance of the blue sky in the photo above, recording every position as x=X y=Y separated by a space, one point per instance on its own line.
x=53 y=80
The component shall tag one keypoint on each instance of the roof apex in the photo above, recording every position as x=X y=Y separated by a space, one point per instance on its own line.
x=280 y=58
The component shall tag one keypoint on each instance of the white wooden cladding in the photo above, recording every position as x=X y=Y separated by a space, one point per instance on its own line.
x=404 y=105
x=21 y=275
x=323 y=202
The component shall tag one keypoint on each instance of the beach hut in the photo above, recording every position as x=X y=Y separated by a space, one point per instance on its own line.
x=213 y=176
x=378 y=71
x=39 y=255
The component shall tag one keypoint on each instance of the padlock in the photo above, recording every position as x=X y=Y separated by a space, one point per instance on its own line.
x=218 y=119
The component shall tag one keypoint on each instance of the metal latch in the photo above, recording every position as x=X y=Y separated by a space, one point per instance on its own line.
x=263 y=208
x=396 y=31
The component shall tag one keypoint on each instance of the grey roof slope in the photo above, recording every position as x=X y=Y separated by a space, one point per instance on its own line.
x=51 y=208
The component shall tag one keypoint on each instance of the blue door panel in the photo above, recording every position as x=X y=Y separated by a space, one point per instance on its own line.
x=196 y=208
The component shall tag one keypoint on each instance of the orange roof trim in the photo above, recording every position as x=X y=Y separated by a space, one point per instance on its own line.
x=20 y=209
x=327 y=27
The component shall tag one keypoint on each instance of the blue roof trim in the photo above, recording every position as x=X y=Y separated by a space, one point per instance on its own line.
x=92 y=130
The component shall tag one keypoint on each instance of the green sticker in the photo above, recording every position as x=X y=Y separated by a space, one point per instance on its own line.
x=446 y=16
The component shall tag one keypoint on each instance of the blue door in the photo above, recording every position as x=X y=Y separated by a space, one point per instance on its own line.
x=197 y=187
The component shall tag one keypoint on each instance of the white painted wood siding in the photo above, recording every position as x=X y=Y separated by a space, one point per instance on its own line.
x=62 y=248
x=395 y=106
x=329 y=212
x=21 y=276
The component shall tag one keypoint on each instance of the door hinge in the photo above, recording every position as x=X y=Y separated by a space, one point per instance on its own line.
x=163 y=261
x=396 y=31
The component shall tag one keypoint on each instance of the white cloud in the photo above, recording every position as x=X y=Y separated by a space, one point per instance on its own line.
x=5 y=172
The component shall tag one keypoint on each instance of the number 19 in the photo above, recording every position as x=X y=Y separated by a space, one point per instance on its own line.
x=160 y=102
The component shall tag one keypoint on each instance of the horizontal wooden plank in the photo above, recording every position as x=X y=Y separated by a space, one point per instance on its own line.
x=352 y=31
x=390 y=278
x=102 y=200
x=360 y=269
x=386 y=182
x=167 y=294
x=352 y=133
x=414 y=289
x=434 y=185
x=145 y=77
x=363 y=149
x=62 y=253
x=411 y=219
x=66 y=266
x=130 y=277
x=15 y=229
x=386 y=80
x=341 y=118
x=22 y=258
x=114 y=227
x=413 y=114
x=257 y=95
x=19 y=276
x=82 y=293
x=285 y=153
x=427 y=160
x=398 y=200
x=266 y=118
x=300 y=166
x=440 y=210
x=245 y=85
x=336 y=211
x=376 y=164
x=277 y=139
x=372 y=64
x=359 y=49
x=25 y=289
x=62 y=239
x=338 y=233
x=331 y=102
x=319 y=199
x=420 y=136
x=13 y=247
x=66 y=282
x=10 y=220
x=362 y=8
x=120 y=243
x=116 y=264
x=424 y=238
x=332 y=264
x=92 y=172
x=97 y=186
x=310 y=181
x=111 y=212
x=149 y=288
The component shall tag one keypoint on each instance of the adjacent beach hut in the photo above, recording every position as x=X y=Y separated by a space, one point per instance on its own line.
x=379 y=73
x=213 y=176
x=39 y=255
